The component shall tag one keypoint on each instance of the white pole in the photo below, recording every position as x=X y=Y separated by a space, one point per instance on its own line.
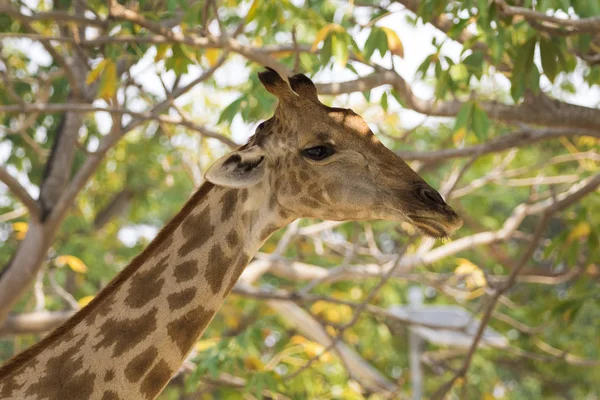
x=415 y=343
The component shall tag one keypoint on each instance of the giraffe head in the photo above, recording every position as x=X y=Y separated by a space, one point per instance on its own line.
x=325 y=162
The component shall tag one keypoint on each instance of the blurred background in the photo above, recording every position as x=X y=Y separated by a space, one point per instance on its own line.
x=110 y=113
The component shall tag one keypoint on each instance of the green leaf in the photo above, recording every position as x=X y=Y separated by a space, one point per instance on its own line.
x=424 y=67
x=517 y=87
x=481 y=123
x=382 y=42
x=496 y=46
x=533 y=79
x=521 y=69
x=524 y=57
x=463 y=117
x=367 y=95
x=549 y=58
x=442 y=84
x=339 y=49
x=179 y=61
x=230 y=111
x=326 y=50
x=370 y=45
x=457 y=28
x=482 y=9
x=399 y=99
x=474 y=63
x=384 y=101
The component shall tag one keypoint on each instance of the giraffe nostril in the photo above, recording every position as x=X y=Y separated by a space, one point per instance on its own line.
x=432 y=195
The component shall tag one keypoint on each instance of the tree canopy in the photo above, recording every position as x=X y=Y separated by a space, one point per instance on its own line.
x=111 y=111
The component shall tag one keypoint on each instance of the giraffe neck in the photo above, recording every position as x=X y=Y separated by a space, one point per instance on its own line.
x=136 y=333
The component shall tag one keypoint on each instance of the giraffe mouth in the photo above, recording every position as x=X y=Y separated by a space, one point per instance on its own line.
x=431 y=227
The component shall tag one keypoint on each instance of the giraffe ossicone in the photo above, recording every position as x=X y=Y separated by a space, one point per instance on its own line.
x=308 y=160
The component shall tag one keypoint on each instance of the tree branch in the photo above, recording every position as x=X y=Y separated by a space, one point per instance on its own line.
x=570 y=26
x=445 y=388
x=60 y=17
x=20 y=192
x=535 y=110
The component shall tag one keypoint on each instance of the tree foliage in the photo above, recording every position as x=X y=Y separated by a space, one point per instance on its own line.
x=109 y=113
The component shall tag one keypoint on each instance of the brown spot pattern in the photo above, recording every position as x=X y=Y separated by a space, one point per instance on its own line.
x=63 y=377
x=267 y=231
x=244 y=195
x=185 y=330
x=140 y=364
x=232 y=238
x=197 y=230
x=180 y=299
x=293 y=183
x=185 y=271
x=124 y=335
x=218 y=265
x=8 y=386
x=110 y=395
x=316 y=192
x=109 y=376
x=304 y=176
x=156 y=379
x=237 y=271
x=272 y=202
x=101 y=310
x=146 y=285
x=228 y=204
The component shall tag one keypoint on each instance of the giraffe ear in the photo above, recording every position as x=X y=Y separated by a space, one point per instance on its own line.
x=238 y=169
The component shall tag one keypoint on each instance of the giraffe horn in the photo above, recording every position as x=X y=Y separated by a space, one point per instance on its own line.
x=276 y=84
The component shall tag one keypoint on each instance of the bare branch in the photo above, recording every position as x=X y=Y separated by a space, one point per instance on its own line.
x=60 y=17
x=567 y=25
x=38 y=322
x=20 y=192
x=140 y=116
x=536 y=110
x=443 y=390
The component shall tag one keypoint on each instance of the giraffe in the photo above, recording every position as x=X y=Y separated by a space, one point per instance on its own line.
x=307 y=160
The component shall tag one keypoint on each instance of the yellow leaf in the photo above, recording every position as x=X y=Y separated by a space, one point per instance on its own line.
x=581 y=230
x=297 y=339
x=282 y=54
x=254 y=364
x=212 y=56
x=84 y=301
x=252 y=11
x=73 y=262
x=20 y=229
x=394 y=42
x=108 y=81
x=202 y=345
x=474 y=276
x=94 y=74
x=459 y=135
x=313 y=349
x=331 y=330
x=323 y=32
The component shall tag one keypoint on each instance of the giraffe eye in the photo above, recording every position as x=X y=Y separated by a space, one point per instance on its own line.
x=318 y=152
